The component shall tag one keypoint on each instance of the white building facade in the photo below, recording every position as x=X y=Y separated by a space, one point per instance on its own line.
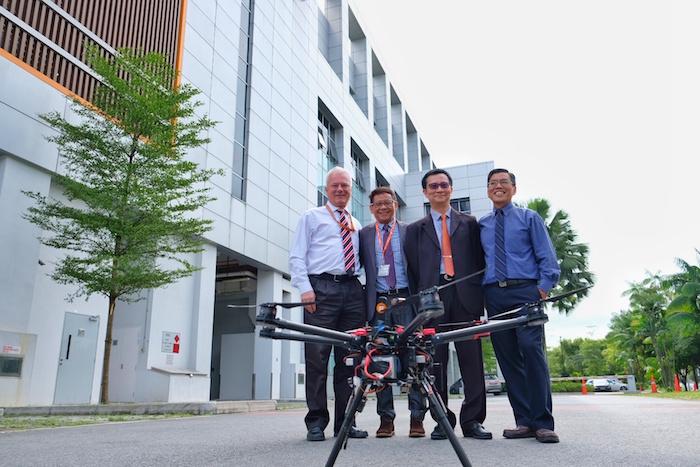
x=297 y=87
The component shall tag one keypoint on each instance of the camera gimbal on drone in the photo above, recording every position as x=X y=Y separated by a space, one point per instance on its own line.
x=385 y=355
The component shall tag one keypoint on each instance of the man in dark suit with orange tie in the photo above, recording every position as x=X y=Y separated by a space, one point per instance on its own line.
x=444 y=246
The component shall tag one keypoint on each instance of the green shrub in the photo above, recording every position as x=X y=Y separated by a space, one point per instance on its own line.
x=566 y=386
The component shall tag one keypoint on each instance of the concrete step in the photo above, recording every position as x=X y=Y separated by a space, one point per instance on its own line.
x=152 y=408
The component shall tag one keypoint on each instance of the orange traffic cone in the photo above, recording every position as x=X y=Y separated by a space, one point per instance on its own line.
x=676 y=384
x=584 y=389
x=653 y=384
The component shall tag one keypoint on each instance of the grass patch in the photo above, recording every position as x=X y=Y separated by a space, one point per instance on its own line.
x=15 y=423
x=291 y=405
x=685 y=395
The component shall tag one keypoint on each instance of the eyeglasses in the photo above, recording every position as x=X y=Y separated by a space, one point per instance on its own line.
x=383 y=204
x=435 y=186
x=335 y=186
x=504 y=182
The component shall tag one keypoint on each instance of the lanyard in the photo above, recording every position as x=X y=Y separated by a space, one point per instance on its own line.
x=344 y=227
x=388 y=237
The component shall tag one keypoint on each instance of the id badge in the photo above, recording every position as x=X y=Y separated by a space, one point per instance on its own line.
x=383 y=270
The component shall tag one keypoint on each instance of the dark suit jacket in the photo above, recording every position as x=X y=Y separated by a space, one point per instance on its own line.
x=368 y=258
x=423 y=254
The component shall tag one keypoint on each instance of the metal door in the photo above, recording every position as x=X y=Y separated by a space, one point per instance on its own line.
x=76 y=362
x=236 y=367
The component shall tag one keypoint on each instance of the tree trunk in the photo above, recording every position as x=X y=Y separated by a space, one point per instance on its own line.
x=104 y=388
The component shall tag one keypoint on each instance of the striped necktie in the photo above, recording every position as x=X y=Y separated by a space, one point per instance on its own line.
x=500 y=263
x=346 y=236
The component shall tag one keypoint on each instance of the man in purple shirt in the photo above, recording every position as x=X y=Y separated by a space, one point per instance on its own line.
x=521 y=267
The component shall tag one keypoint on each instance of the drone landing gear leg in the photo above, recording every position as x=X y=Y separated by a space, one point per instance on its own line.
x=440 y=412
x=354 y=404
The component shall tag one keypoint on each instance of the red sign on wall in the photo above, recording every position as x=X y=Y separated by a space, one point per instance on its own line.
x=171 y=342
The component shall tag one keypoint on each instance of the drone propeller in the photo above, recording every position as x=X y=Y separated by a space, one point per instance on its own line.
x=554 y=298
x=241 y=306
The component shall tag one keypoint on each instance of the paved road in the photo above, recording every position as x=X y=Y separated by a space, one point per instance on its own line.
x=596 y=430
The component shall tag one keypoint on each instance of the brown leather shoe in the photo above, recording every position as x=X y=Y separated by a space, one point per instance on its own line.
x=519 y=432
x=417 y=430
x=386 y=428
x=544 y=435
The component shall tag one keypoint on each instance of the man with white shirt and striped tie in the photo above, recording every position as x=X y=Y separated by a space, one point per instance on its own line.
x=324 y=263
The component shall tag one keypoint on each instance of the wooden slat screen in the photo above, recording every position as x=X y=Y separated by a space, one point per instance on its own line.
x=149 y=25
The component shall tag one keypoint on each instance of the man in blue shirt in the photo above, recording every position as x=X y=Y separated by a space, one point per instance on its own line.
x=521 y=267
x=381 y=254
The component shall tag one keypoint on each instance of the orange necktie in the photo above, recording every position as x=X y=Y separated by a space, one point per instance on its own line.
x=447 y=249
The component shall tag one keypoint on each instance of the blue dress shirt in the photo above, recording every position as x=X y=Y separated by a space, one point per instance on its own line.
x=529 y=250
x=399 y=268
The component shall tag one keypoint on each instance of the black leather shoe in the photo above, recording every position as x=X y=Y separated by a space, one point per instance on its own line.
x=355 y=433
x=476 y=430
x=438 y=433
x=315 y=434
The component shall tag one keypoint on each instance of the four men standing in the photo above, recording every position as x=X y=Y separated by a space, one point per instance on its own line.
x=399 y=260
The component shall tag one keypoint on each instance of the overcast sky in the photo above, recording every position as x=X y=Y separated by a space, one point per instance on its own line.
x=594 y=105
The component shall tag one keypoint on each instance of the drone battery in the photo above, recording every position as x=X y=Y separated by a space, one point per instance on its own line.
x=382 y=363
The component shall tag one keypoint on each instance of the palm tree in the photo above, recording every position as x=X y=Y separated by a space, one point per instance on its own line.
x=572 y=255
x=648 y=301
x=683 y=314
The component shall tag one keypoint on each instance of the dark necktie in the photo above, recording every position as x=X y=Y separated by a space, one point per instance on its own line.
x=501 y=268
x=348 y=250
x=389 y=259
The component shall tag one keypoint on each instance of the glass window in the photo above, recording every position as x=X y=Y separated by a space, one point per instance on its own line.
x=239 y=129
x=241 y=96
x=245 y=15
x=237 y=189
x=10 y=366
x=238 y=157
x=243 y=45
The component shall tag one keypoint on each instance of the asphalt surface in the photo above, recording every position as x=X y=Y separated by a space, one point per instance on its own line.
x=595 y=430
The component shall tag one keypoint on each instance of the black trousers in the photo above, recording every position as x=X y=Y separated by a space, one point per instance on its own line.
x=339 y=306
x=385 y=398
x=471 y=366
x=520 y=355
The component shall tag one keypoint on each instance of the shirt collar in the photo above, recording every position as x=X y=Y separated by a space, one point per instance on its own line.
x=437 y=216
x=390 y=224
x=506 y=209
x=335 y=208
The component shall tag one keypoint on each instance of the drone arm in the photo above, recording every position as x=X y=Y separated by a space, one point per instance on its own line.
x=310 y=339
x=534 y=317
x=306 y=329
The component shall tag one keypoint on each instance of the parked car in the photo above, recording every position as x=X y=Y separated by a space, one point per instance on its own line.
x=493 y=385
x=607 y=384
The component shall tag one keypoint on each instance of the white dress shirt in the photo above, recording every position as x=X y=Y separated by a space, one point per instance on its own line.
x=318 y=246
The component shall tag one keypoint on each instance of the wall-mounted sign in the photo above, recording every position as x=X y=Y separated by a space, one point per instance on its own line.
x=171 y=342
x=11 y=349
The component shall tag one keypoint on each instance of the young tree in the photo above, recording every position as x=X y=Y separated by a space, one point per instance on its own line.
x=648 y=301
x=131 y=191
x=572 y=255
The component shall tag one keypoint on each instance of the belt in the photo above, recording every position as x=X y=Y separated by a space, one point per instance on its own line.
x=393 y=291
x=511 y=283
x=334 y=277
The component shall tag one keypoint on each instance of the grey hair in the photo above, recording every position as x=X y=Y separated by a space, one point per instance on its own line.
x=338 y=169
